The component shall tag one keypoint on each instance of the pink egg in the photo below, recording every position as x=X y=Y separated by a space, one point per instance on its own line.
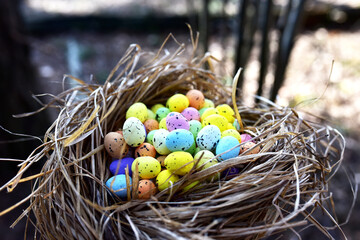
x=191 y=113
x=175 y=120
x=246 y=137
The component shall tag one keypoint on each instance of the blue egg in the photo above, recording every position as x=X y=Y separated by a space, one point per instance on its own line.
x=117 y=185
x=208 y=137
x=120 y=166
x=179 y=140
x=225 y=144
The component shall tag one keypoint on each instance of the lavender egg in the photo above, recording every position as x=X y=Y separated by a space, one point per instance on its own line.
x=175 y=121
x=191 y=113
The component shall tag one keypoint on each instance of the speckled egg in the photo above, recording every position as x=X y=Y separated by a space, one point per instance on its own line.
x=179 y=140
x=247 y=146
x=151 y=124
x=225 y=144
x=177 y=103
x=155 y=107
x=226 y=111
x=230 y=126
x=193 y=185
x=150 y=136
x=231 y=132
x=148 y=167
x=217 y=120
x=209 y=103
x=201 y=112
x=208 y=112
x=207 y=160
x=118 y=166
x=146 y=189
x=117 y=185
x=161 y=113
x=191 y=113
x=115 y=145
x=161 y=160
x=159 y=142
x=166 y=179
x=196 y=98
x=192 y=149
x=208 y=137
x=162 y=124
x=236 y=125
x=134 y=132
x=151 y=114
x=179 y=163
x=175 y=120
x=246 y=137
x=195 y=127
x=138 y=110
x=145 y=149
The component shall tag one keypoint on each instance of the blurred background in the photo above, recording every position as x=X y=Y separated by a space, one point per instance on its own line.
x=298 y=53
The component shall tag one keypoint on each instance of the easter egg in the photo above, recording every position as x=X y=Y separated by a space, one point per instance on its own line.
x=175 y=120
x=191 y=113
x=192 y=185
x=151 y=124
x=166 y=179
x=134 y=132
x=208 y=112
x=196 y=98
x=179 y=140
x=230 y=126
x=177 y=103
x=117 y=185
x=150 y=136
x=148 y=167
x=138 y=110
x=217 y=120
x=208 y=103
x=225 y=144
x=226 y=111
x=208 y=137
x=161 y=160
x=230 y=172
x=192 y=149
x=115 y=145
x=159 y=141
x=145 y=149
x=179 y=163
x=161 y=113
x=118 y=166
x=151 y=114
x=146 y=189
x=197 y=149
x=246 y=137
x=195 y=127
x=207 y=159
x=155 y=107
x=236 y=125
x=231 y=132
x=201 y=111
x=162 y=124
x=247 y=146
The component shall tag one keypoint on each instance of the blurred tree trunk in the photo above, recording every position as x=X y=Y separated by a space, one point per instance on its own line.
x=17 y=81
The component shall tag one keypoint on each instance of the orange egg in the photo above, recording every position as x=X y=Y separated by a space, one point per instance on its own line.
x=161 y=159
x=247 y=146
x=151 y=124
x=146 y=189
x=196 y=99
x=145 y=149
x=115 y=145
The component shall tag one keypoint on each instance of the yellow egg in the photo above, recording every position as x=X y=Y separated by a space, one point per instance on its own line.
x=148 y=167
x=231 y=132
x=208 y=112
x=165 y=179
x=207 y=160
x=190 y=186
x=226 y=111
x=138 y=110
x=179 y=163
x=230 y=126
x=217 y=120
x=162 y=124
x=177 y=103
x=156 y=107
x=208 y=103
x=151 y=114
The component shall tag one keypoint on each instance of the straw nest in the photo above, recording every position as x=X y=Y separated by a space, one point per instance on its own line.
x=276 y=189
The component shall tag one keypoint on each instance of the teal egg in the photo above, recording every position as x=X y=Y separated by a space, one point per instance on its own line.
x=225 y=144
x=117 y=185
x=179 y=140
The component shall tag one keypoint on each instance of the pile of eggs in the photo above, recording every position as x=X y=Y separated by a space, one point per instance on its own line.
x=163 y=143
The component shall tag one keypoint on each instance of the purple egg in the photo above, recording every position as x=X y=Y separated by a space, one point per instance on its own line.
x=230 y=171
x=246 y=137
x=120 y=165
x=175 y=120
x=191 y=113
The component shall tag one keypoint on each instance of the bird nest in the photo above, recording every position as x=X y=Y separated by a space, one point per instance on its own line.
x=276 y=189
